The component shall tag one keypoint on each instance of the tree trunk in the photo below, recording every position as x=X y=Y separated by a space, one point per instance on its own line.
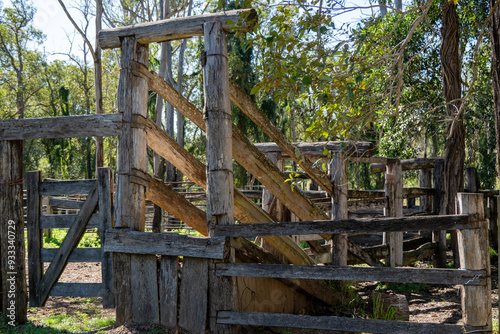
x=455 y=142
x=99 y=146
x=495 y=72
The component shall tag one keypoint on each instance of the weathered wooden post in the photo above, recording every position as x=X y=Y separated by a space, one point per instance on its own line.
x=14 y=294
x=220 y=204
x=438 y=209
x=425 y=181
x=474 y=254
x=394 y=208
x=34 y=236
x=135 y=286
x=105 y=189
x=339 y=206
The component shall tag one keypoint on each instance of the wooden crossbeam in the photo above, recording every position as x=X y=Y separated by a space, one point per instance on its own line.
x=396 y=224
x=409 y=164
x=360 y=274
x=177 y=28
x=61 y=127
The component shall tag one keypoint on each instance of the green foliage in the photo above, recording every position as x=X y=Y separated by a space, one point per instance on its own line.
x=89 y=239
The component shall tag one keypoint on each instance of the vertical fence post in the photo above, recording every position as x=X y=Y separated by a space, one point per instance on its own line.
x=339 y=207
x=474 y=254
x=425 y=181
x=394 y=197
x=105 y=190
x=13 y=277
x=220 y=203
x=35 y=242
x=438 y=209
x=135 y=279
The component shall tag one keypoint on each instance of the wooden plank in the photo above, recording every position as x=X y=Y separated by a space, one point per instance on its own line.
x=176 y=28
x=144 y=287
x=171 y=244
x=13 y=252
x=69 y=243
x=61 y=127
x=351 y=193
x=361 y=225
x=348 y=273
x=418 y=191
x=76 y=290
x=394 y=208
x=438 y=207
x=425 y=181
x=350 y=149
x=410 y=164
x=248 y=106
x=121 y=287
x=194 y=295
x=474 y=254
x=335 y=323
x=70 y=187
x=66 y=221
x=62 y=203
x=105 y=190
x=77 y=255
x=338 y=174
x=34 y=236
x=168 y=287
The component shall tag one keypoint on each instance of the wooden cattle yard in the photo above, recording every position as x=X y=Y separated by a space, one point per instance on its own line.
x=141 y=270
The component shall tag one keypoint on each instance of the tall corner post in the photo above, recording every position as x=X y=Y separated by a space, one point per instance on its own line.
x=14 y=298
x=439 y=208
x=136 y=298
x=338 y=173
x=474 y=254
x=394 y=208
x=220 y=202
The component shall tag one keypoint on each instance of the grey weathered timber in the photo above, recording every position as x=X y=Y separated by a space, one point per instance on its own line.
x=77 y=255
x=70 y=187
x=171 y=244
x=177 y=28
x=62 y=203
x=348 y=273
x=105 y=190
x=425 y=181
x=65 y=221
x=144 y=289
x=168 y=290
x=474 y=254
x=396 y=224
x=394 y=208
x=338 y=174
x=194 y=295
x=352 y=193
x=69 y=243
x=471 y=184
x=335 y=323
x=418 y=191
x=61 y=127
x=493 y=220
x=13 y=251
x=76 y=290
x=245 y=210
x=220 y=198
x=174 y=203
x=350 y=149
x=130 y=197
x=34 y=236
x=438 y=207
x=410 y=164
x=248 y=106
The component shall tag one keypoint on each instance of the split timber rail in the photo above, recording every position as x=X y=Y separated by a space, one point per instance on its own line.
x=207 y=288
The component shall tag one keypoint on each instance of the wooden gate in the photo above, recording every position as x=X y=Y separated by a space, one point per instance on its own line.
x=94 y=212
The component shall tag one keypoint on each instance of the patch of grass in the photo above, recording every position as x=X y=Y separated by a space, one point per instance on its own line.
x=89 y=239
x=379 y=312
x=493 y=252
x=79 y=322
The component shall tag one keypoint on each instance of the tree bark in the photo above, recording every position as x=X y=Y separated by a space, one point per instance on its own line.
x=99 y=146
x=455 y=141
x=495 y=72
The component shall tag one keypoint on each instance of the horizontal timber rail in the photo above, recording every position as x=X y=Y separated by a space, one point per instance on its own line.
x=347 y=273
x=170 y=244
x=177 y=28
x=334 y=323
x=361 y=225
x=351 y=149
x=409 y=164
x=61 y=127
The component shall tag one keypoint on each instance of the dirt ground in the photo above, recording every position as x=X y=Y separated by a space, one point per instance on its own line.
x=435 y=304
